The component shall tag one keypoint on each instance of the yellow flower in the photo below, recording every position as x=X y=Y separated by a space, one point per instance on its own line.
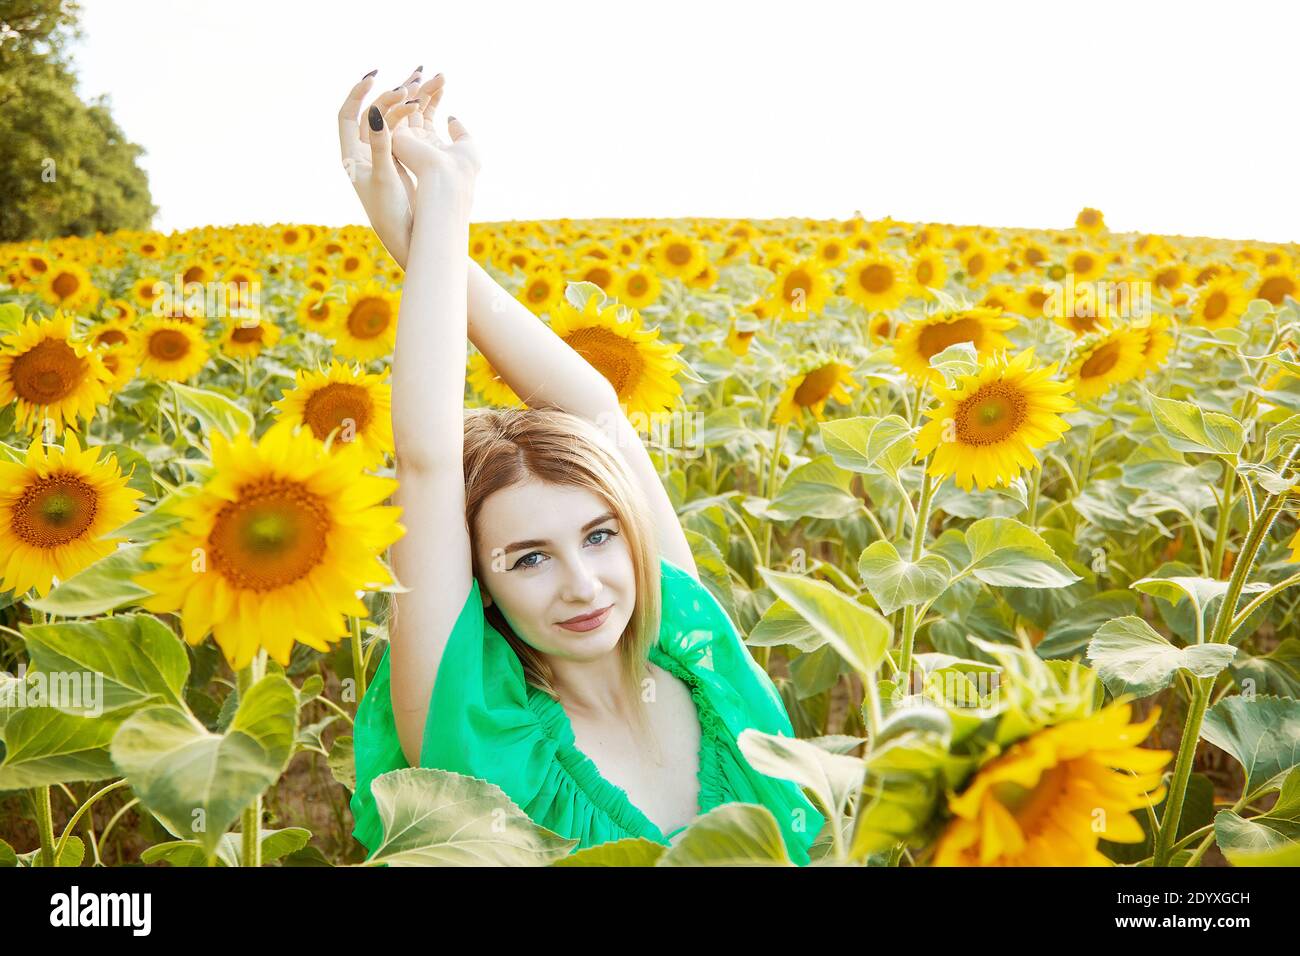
x=67 y=285
x=738 y=340
x=485 y=380
x=542 y=291
x=876 y=282
x=273 y=547
x=247 y=337
x=679 y=256
x=171 y=350
x=1090 y=220
x=1048 y=799
x=51 y=375
x=1106 y=359
x=1219 y=303
x=1159 y=342
x=799 y=289
x=916 y=342
x=1275 y=284
x=347 y=398
x=638 y=288
x=56 y=508
x=978 y=263
x=928 y=270
x=808 y=392
x=612 y=340
x=366 y=326
x=1085 y=264
x=984 y=430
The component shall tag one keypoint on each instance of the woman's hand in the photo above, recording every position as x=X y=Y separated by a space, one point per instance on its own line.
x=383 y=186
x=445 y=169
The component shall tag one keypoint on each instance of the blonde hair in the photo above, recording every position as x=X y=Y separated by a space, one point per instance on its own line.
x=509 y=446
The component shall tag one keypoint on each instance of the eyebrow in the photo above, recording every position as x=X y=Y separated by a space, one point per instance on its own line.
x=540 y=543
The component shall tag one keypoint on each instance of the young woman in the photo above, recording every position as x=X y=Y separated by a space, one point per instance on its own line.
x=554 y=639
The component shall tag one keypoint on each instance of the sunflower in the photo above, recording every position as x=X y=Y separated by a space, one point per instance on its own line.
x=1158 y=344
x=983 y=430
x=918 y=341
x=738 y=340
x=485 y=380
x=641 y=368
x=1085 y=264
x=707 y=278
x=1106 y=359
x=1219 y=303
x=317 y=312
x=978 y=263
x=354 y=266
x=56 y=507
x=1090 y=220
x=1036 y=803
x=638 y=288
x=67 y=285
x=1275 y=284
x=808 y=392
x=799 y=289
x=171 y=350
x=273 y=547
x=876 y=282
x=928 y=270
x=542 y=291
x=246 y=338
x=366 y=326
x=117 y=309
x=51 y=375
x=831 y=251
x=347 y=398
x=148 y=289
x=678 y=256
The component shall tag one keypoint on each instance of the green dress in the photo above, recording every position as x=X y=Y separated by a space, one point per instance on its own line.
x=486 y=721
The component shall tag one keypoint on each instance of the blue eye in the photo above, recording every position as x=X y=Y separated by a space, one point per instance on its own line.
x=520 y=563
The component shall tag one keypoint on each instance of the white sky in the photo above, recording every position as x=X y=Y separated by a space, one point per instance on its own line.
x=1169 y=117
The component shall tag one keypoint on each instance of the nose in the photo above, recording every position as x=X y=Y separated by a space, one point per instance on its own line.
x=581 y=583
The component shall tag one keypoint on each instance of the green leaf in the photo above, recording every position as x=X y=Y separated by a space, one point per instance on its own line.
x=439 y=818
x=857 y=444
x=733 y=834
x=1281 y=437
x=214 y=411
x=1271 y=839
x=1070 y=632
x=1188 y=428
x=834 y=778
x=137 y=658
x=1277 y=672
x=1006 y=553
x=577 y=293
x=102 y=586
x=196 y=781
x=859 y=634
x=632 y=851
x=44 y=746
x=895 y=582
x=1132 y=658
x=230 y=851
x=1262 y=733
x=956 y=361
x=818 y=489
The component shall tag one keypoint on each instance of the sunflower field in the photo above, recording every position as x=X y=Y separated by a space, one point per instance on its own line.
x=1007 y=515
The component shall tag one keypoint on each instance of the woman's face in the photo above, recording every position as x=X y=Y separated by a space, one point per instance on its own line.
x=552 y=553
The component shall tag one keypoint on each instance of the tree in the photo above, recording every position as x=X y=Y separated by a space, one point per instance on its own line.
x=65 y=166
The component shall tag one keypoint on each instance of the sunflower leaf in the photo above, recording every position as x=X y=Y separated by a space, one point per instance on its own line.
x=859 y=634
x=1006 y=553
x=1262 y=733
x=1132 y=658
x=1189 y=428
x=896 y=582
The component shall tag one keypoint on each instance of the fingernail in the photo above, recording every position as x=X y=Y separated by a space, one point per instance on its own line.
x=452 y=119
x=409 y=102
x=419 y=68
x=437 y=76
x=376 y=119
x=370 y=74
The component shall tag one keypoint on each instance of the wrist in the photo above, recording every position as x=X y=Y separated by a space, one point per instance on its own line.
x=446 y=200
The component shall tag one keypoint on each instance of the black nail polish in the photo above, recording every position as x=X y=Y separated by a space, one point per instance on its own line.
x=370 y=74
x=409 y=102
x=420 y=68
x=376 y=119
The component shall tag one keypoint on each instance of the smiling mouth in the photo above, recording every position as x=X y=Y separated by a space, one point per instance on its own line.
x=587 y=622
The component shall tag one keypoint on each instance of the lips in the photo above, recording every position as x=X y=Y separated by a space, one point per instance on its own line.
x=587 y=622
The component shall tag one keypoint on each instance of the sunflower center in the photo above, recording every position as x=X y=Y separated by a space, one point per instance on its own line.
x=876 y=278
x=1274 y=288
x=110 y=337
x=351 y=263
x=796 y=282
x=47 y=372
x=272 y=536
x=65 y=284
x=924 y=272
x=369 y=317
x=168 y=345
x=54 y=510
x=678 y=254
x=975 y=265
x=1101 y=361
x=245 y=334
x=610 y=354
x=637 y=285
x=539 y=291
x=938 y=336
x=816 y=386
x=337 y=405
x=1215 y=305
x=995 y=411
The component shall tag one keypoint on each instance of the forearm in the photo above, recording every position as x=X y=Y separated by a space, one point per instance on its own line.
x=535 y=362
x=429 y=355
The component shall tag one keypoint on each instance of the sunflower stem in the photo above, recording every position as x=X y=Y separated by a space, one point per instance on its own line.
x=358 y=664
x=251 y=818
x=773 y=464
x=1223 y=527
x=44 y=824
x=919 y=528
x=1033 y=495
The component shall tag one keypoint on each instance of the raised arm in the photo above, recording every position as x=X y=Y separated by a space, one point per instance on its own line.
x=434 y=561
